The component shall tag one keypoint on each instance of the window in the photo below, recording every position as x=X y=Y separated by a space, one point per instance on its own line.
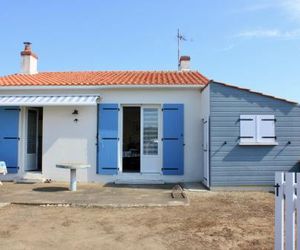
x=257 y=130
x=150 y=131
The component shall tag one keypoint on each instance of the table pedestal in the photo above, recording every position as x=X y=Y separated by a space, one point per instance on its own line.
x=73 y=168
x=73 y=181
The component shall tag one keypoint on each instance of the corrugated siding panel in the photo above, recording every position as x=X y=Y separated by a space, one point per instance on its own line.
x=234 y=165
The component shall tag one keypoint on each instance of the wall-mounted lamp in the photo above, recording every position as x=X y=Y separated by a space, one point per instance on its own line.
x=99 y=99
x=75 y=113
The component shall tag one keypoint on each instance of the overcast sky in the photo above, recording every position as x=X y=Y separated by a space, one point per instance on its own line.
x=250 y=43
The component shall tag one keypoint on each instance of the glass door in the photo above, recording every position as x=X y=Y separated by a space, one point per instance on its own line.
x=32 y=139
x=151 y=139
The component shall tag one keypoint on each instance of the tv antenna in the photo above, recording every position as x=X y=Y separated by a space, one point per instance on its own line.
x=180 y=38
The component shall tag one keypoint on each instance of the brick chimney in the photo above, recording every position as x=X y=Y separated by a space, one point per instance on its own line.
x=184 y=63
x=28 y=60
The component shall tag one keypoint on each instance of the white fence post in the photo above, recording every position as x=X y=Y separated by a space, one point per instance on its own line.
x=290 y=211
x=287 y=204
x=279 y=211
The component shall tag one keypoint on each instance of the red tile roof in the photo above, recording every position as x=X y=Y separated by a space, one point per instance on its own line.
x=93 y=78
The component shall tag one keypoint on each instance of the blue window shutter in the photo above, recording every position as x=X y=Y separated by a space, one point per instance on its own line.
x=107 y=153
x=173 y=139
x=9 y=137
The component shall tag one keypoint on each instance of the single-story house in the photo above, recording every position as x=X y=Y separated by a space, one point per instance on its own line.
x=143 y=127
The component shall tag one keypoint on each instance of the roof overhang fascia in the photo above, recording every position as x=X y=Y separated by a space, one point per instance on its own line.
x=75 y=87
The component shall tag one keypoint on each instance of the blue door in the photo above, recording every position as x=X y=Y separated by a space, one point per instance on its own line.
x=173 y=139
x=9 y=137
x=108 y=138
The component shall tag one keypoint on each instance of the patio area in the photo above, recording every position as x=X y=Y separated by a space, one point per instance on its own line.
x=213 y=220
x=90 y=195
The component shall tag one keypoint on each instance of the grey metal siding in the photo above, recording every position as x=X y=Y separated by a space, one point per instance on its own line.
x=235 y=165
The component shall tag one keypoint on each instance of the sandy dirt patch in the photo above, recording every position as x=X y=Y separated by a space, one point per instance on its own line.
x=214 y=220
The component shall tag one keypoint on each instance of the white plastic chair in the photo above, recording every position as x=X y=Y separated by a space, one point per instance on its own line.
x=3 y=169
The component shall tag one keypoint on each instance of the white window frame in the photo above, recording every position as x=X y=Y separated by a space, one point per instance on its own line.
x=255 y=136
x=143 y=131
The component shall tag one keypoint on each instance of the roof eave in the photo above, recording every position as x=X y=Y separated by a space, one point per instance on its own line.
x=119 y=86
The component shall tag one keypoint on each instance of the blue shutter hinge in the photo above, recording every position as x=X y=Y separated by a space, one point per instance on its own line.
x=245 y=119
x=269 y=137
x=17 y=167
x=111 y=109
x=269 y=120
x=11 y=138
x=15 y=109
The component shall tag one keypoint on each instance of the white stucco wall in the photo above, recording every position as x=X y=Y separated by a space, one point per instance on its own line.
x=67 y=141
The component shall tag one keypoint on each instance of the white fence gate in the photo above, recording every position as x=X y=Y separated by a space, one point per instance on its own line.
x=287 y=203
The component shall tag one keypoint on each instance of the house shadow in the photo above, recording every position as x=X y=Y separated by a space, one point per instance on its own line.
x=249 y=153
x=50 y=189
x=295 y=168
x=142 y=186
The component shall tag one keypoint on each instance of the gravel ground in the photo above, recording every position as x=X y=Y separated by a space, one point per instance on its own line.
x=214 y=220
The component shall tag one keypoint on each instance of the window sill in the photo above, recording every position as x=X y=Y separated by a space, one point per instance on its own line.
x=258 y=143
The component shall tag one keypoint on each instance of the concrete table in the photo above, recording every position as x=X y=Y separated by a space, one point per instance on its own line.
x=73 y=168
